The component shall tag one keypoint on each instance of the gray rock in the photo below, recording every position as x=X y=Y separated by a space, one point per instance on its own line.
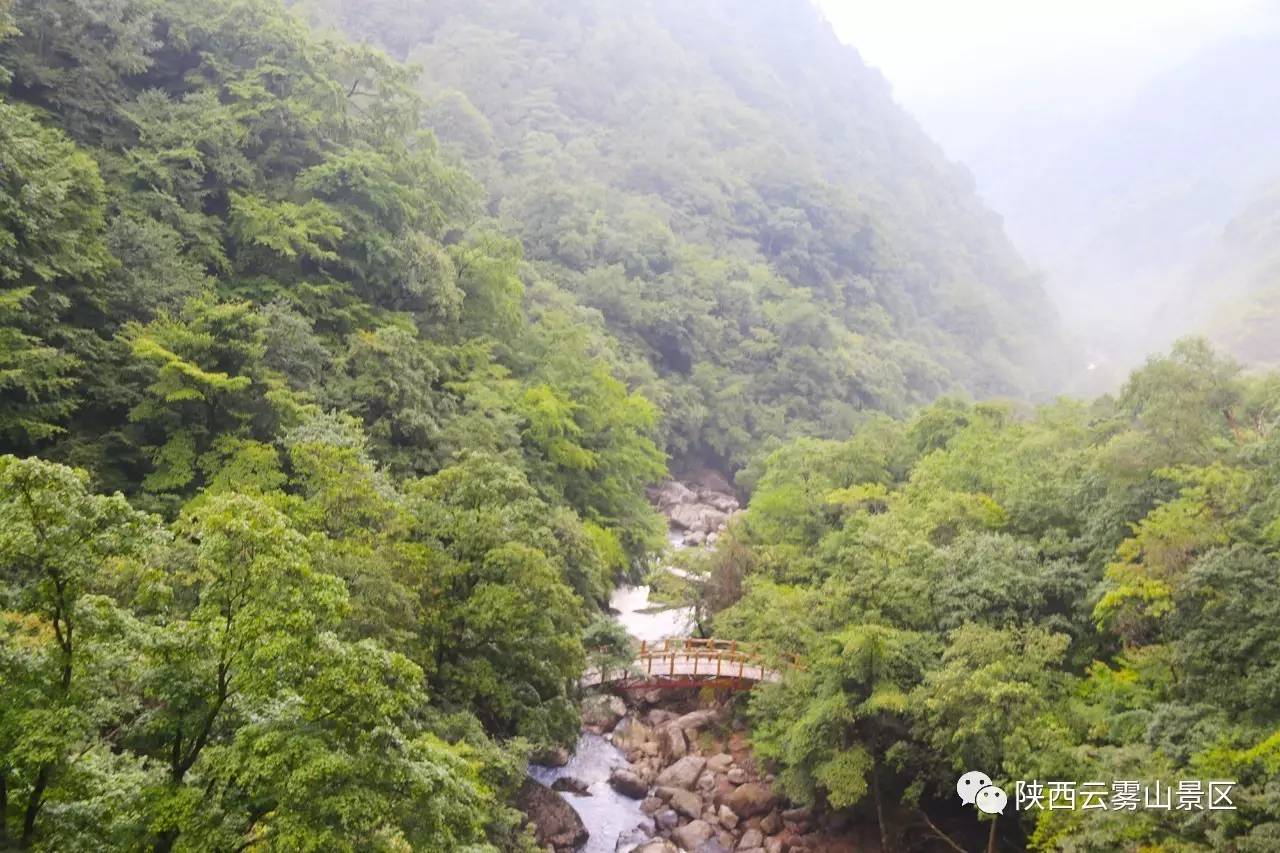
x=672 y=493
x=750 y=800
x=571 y=785
x=671 y=742
x=736 y=775
x=697 y=720
x=634 y=837
x=651 y=805
x=692 y=835
x=555 y=823
x=657 y=845
x=626 y=782
x=630 y=734
x=667 y=819
x=603 y=711
x=684 y=773
x=686 y=803
x=727 y=818
x=551 y=756
x=713 y=845
x=750 y=839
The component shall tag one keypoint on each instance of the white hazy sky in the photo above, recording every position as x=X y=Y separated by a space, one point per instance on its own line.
x=932 y=49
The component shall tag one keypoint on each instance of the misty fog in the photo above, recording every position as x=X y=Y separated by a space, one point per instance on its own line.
x=1130 y=150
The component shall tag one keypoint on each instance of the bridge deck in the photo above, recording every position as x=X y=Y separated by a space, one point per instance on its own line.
x=688 y=661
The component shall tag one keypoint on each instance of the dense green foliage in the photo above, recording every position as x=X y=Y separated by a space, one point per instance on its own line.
x=740 y=198
x=322 y=441
x=1072 y=592
x=332 y=480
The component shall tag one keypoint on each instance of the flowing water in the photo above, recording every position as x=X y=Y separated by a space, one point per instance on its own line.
x=608 y=815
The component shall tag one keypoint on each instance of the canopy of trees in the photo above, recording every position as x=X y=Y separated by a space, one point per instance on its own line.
x=1072 y=592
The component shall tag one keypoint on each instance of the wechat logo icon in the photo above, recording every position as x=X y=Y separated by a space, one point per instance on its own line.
x=975 y=789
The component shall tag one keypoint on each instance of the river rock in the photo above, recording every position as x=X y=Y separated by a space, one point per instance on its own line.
x=724 y=503
x=626 y=782
x=630 y=733
x=671 y=742
x=736 y=775
x=671 y=494
x=603 y=711
x=657 y=845
x=750 y=800
x=555 y=823
x=691 y=517
x=772 y=823
x=797 y=815
x=551 y=756
x=686 y=803
x=728 y=819
x=651 y=805
x=750 y=839
x=634 y=837
x=684 y=773
x=715 y=845
x=571 y=785
x=697 y=720
x=657 y=716
x=691 y=835
x=667 y=819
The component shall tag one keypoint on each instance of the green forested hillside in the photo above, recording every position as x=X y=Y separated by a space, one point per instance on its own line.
x=739 y=197
x=369 y=476
x=330 y=387
x=1082 y=593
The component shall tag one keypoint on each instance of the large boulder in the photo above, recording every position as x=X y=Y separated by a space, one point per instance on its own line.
x=554 y=821
x=690 y=516
x=551 y=756
x=750 y=800
x=603 y=711
x=626 y=782
x=672 y=744
x=631 y=734
x=684 y=773
x=695 y=721
x=692 y=835
x=571 y=785
x=686 y=803
x=671 y=494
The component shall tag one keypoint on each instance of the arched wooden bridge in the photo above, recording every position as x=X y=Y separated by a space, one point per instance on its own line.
x=689 y=662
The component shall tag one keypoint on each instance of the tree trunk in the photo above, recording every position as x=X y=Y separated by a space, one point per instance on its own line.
x=885 y=847
x=34 y=803
x=4 y=809
x=991 y=837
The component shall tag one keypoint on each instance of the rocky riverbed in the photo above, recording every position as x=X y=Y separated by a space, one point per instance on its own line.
x=660 y=774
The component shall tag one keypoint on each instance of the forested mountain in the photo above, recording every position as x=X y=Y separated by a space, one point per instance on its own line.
x=740 y=198
x=330 y=388
x=350 y=481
